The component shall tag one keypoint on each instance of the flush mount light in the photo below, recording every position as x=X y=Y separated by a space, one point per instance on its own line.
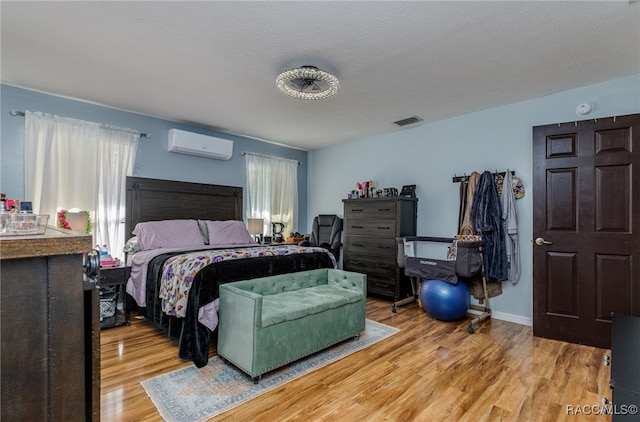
x=307 y=83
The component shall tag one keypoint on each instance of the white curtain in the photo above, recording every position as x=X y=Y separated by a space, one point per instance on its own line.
x=116 y=158
x=60 y=163
x=272 y=191
x=71 y=163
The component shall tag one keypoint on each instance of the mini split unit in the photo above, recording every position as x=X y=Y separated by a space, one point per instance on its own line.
x=200 y=145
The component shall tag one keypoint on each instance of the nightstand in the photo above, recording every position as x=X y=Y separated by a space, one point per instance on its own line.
x=112 y=293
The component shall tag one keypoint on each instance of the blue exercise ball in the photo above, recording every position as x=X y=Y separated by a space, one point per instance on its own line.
x=445 y=301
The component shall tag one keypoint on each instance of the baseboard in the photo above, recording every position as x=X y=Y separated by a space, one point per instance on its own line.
x=503 y=316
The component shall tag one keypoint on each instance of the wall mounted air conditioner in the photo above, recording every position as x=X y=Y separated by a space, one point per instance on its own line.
x=200 y=145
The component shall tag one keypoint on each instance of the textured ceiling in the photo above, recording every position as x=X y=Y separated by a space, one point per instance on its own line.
x=214 y=64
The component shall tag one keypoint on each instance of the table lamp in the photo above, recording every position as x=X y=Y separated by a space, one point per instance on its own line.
x=255 y=226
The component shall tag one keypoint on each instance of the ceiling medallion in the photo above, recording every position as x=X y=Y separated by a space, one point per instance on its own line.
x=307 y=83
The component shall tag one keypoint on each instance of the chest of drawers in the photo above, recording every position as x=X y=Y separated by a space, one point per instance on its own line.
x=371 y=226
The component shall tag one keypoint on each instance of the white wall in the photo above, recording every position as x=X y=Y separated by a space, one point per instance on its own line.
x=432 y=154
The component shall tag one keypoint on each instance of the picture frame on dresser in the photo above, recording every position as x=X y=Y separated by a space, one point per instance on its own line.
x=371 y=226
x=408 y=190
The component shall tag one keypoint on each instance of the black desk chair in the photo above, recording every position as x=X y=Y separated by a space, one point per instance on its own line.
x=325 y=233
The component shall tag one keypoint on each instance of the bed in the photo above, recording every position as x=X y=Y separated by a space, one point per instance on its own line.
x=230 y=255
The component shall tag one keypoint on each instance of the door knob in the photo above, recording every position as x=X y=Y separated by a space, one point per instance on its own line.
x=540 y=241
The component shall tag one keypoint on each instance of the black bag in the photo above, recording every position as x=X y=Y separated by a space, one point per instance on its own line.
x=469 y=259
x=465 y=249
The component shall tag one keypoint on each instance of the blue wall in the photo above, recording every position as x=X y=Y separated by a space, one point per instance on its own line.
x=153 y=159
x=431 y=155
x=428 y=155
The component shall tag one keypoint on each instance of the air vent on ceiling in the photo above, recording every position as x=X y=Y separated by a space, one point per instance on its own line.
x=408 y=121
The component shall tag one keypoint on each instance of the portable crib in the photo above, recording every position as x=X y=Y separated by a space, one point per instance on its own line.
x=423 y=268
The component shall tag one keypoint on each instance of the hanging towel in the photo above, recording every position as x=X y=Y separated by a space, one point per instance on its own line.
x=510 y=220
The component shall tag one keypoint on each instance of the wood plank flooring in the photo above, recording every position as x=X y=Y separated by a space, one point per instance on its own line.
x=429 y=371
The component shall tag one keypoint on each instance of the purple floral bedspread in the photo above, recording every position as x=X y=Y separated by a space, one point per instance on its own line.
x=179 y=271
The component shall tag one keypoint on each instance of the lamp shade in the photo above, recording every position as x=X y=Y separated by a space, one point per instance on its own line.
x=255 y=225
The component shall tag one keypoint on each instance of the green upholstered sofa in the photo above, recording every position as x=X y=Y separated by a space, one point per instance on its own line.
x=268 y=322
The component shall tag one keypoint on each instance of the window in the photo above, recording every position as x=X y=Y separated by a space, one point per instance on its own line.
x=272 y=191
x=71 y=163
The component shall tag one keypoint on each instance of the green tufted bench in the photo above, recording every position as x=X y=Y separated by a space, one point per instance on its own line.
x=268 y=322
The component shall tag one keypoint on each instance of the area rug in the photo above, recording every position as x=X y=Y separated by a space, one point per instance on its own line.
x=192 y=394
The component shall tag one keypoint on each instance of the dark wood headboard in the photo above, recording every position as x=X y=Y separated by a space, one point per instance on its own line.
x=156 y=199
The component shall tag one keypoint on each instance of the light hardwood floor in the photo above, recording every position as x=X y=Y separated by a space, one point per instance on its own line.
x=429 y=371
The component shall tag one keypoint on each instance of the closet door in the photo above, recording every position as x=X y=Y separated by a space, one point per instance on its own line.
x=586 y=199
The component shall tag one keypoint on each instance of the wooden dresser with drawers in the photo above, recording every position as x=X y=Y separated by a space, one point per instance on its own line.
x=371 y=226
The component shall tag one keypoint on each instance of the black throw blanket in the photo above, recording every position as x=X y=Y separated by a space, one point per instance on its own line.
x=195 y=337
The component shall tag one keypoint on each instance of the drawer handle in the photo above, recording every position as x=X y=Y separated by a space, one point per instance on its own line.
x=357 y=227
x=380 y=284
x=357 y=210
x=384 y=209
x=382 y=266
x=358 y=244
x=384 y=247
x=384 y=227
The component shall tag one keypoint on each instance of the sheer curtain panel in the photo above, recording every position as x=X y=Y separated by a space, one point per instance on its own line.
x=60 y=163
x=71 y=163
x=116 y=158
x=272 y=191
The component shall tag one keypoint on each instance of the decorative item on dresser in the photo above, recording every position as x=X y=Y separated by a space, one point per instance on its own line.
x=371 y=226
x=50 y=329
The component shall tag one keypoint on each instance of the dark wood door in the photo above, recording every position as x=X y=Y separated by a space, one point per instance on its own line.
x=585 y=192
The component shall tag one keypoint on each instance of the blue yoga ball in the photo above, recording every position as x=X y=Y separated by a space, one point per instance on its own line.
x=445 y=301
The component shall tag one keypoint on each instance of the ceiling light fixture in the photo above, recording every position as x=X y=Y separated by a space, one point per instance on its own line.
x=307 y=83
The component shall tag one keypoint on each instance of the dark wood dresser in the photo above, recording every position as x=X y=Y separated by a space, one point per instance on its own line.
x=371 y=226
x=50 y=329
x=625 y=371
